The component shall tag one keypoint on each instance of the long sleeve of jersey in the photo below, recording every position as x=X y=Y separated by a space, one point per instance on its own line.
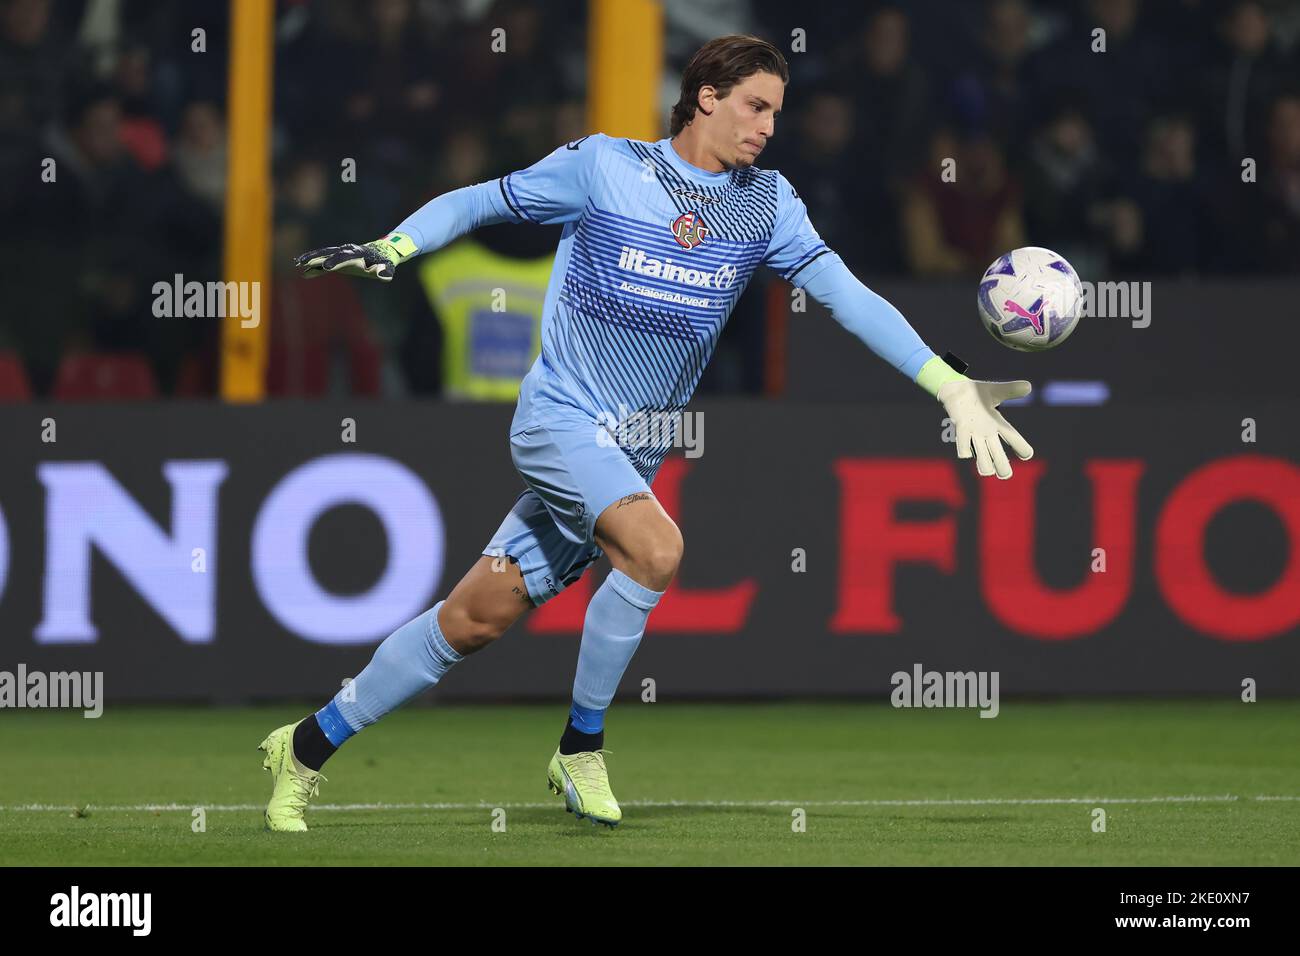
x=870 y=317
x=552 y=190
x=450 y=216
x=798 y=254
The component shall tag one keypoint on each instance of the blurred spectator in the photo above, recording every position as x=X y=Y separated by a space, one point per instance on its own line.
x=1066 y=178
x=200 y=153
x=889 y=94
x=959 y=227
x=526 y=81
x=997 y=94
x=1261 y=220
x=1130 y=158
x=321 y=340
x=142 y=132
x=394 y=89
x=1169 y=199
x=93 y=206
x=1242 y=78
x=33 y=64
x=98 y=236
x=1117 y=86
x=301 y=218
x=816 y=157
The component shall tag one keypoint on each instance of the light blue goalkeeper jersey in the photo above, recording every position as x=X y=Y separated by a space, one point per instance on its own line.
x=654 y=254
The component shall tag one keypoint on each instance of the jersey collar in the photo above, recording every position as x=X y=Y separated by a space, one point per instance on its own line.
x=687 y=169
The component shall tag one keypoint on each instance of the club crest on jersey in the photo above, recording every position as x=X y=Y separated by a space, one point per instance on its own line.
x=689 y=229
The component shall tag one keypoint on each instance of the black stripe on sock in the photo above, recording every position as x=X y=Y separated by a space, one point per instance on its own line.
x=310 y=745
x=575 y=741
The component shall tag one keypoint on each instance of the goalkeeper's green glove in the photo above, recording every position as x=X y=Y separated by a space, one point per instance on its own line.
x=972 y=406
x=378 y=259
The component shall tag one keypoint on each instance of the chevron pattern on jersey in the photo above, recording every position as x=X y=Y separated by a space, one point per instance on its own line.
x=639 y=313
x=745 y=207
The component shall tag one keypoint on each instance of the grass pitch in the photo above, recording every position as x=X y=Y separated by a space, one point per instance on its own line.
x=1188 y=783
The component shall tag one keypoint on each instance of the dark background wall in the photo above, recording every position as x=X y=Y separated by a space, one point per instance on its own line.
x=909 y=558
x=1233 y=341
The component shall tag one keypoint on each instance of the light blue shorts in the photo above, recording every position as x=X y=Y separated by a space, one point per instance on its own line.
x=571 y=477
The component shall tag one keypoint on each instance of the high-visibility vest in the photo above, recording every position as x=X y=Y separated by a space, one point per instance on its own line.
x=490 y=309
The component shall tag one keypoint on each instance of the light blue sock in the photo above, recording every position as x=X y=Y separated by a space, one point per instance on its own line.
x=411 y=659
x=611 y=632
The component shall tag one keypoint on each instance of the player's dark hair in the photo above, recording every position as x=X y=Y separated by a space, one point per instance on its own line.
x=721 y=64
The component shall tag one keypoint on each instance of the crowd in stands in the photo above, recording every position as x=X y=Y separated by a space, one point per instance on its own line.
x=1167 y=144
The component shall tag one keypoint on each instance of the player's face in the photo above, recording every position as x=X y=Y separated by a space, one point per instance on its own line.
x=744 y=121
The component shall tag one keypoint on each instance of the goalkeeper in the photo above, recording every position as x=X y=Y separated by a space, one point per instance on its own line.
x=659 y=240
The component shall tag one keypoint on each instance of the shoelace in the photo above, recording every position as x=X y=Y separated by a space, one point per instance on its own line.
x=589 y=768
x=305 y=787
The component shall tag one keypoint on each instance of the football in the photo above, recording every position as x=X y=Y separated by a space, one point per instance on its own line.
x=1030 y=299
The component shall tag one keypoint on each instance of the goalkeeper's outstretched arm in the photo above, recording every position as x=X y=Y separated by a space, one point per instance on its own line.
x=972 y=405
x=799 y=255
x=550 y=191
x=431 y=227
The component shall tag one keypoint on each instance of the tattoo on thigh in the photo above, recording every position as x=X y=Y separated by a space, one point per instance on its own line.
x=523 y=595
x=639 y=496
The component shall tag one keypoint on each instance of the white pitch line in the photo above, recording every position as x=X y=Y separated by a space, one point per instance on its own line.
x=487 y=805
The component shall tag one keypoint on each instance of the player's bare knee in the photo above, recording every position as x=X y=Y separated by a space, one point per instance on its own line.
x=655 y=563
x=468 y=632
x=479 y=634
x=661 y=568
